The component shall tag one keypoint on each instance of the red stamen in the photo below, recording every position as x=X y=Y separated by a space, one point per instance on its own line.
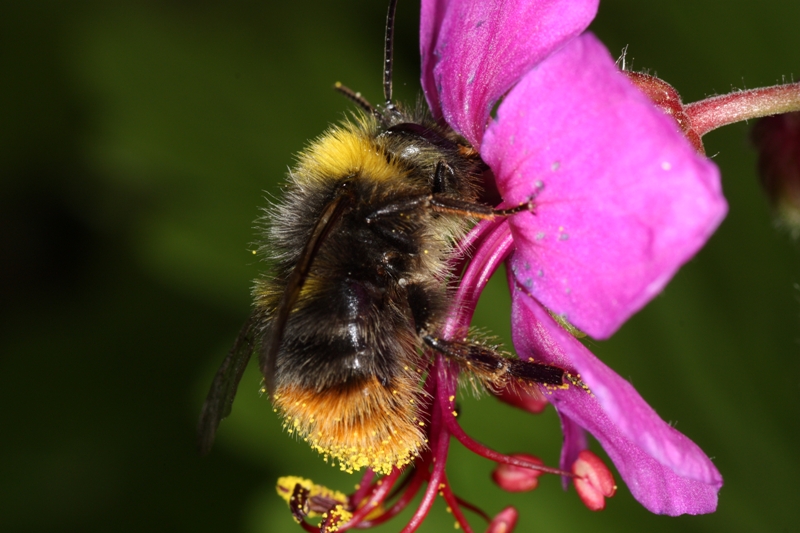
x=430 y=493
x=477 y=448
x=440 y=443
x=499 y=242
x=419 y=476
x=381 y=490
x=364 y=488
x=454 y=506
x=474 y=508
x=308 y=527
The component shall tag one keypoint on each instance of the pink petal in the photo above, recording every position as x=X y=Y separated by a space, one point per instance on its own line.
x=664 y=470
x=623 y=199
x=574 y=443
x=473 y=51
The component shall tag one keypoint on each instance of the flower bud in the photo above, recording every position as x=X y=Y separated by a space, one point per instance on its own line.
x=777 y=139
x=514 y=478
x=504 y=522
x=593 y=480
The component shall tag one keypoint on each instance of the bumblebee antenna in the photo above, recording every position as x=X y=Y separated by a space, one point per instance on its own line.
x=387 y=55
x=362 y=102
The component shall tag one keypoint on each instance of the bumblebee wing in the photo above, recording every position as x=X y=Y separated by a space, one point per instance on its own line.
x=328 y=219
x=223 y=389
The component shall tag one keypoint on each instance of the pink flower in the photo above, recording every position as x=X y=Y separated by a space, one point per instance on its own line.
x=622 y=201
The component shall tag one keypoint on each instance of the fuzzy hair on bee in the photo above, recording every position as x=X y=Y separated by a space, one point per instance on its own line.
x=345 y=375
x=359 y=284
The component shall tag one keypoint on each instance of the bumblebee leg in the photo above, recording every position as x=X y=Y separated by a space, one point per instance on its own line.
x=454 y=206
x=497 y=371
x=402 y=208
x=442 y=203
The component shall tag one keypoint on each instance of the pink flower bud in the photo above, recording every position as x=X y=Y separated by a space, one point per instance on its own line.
x=593 y=480
x=518 y=478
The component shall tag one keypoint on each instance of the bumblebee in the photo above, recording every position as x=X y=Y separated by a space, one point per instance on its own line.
x=360 y=249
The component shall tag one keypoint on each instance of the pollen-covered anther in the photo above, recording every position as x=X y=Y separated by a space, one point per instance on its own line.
x=514 y=478
x=334 y=518
x=305 y=498
x=593 y=480
x=504 y=522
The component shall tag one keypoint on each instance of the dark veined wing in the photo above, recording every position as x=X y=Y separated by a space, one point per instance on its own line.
x=328 y=219
x=223 y=389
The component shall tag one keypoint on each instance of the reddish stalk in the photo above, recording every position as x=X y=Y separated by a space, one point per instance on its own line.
x=711 y=113
x=364 y=488
x=454 y=506
x=308 y=527
x=498 y=240
x=440 y=443
x=456 y=431
x=419 y=477
x=474 y=508
x=433 y=485
x=383 y=487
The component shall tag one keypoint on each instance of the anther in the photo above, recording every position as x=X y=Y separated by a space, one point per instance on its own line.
x=593 y=480
x=514 y=478
x=504 y=522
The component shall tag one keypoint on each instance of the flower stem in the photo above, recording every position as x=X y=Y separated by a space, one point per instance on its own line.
x=711 y=113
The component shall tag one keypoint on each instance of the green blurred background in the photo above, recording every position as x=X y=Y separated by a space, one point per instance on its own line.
x=140 y=139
